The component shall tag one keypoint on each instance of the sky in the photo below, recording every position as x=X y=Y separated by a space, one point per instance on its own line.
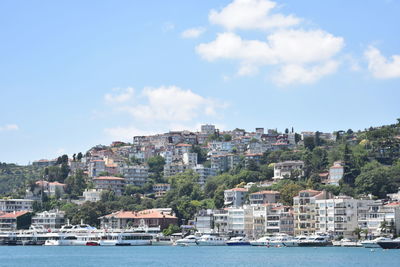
x=74 y=74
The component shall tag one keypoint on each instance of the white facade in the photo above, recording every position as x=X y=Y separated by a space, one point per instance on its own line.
x=92 y=195
x=136 y=175
x=11 y=205
x=235 y=197
x=236 y=218
x=189 y=159
x=204 y=173
x=285 y=169
x=52 y=219
x=339 y=216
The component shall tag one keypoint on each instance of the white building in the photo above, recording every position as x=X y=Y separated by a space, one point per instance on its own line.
x=336 y=173
x=235 y=197
x=96 y=167
x=236 y=221
x=285 y=169
x=52 y=219
x=203 y=173
x=339 y=216
x=205 y=221
x=11 y=205
x=189 y=159
x=136 y=175
x=377 y=213
x=92 y=195
x=111 y=183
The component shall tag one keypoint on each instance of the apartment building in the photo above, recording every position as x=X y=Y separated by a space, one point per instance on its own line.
x=235 y=197
x=264 y=197
x=305 y=211
x=287 y=169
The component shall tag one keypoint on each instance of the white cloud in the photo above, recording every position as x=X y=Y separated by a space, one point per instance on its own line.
x=251 y=14
x=172 y=103
x=293 y=73
x=381 y=67
x=161 y=109
x=119 y=95
x=291 y=49
x=9 y=127
x=193 y=32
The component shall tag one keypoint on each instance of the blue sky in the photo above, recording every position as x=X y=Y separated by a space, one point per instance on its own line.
x=74 y=74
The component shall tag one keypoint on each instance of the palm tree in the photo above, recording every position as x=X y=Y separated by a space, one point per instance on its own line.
x=384 y=226
x=357 y=231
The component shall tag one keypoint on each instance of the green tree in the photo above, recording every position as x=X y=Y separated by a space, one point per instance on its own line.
x=156 y=164
x=289 y=191
x=350 y=171
x=309 y=142
x=227 y=137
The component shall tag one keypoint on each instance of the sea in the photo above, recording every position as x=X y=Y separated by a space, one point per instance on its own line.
x=195 y=256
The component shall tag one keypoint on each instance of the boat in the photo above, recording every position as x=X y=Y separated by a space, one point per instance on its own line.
x=346 y=242
x=281 y=239
x=263 y=241
x=315 y=241
x=238 y=241
x=374 y=243
x=390 y=244
x=161 y=240
x=211 y=240
x=190 y=240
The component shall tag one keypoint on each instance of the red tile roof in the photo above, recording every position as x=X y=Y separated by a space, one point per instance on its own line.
x=13 y=214
x=183 y=145
x=393 y=204
x=238 y=189
x=266 y=192
x=144 y=214
x=109 y=178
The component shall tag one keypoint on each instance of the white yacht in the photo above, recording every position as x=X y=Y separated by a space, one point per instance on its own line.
x=263 y=241
x=190 y=240
x=280 y=240
x=315 y=241
x=211 y=240
x=346 y=242
x=374 y=243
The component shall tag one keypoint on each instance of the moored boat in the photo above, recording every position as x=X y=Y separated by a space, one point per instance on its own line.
x=263 y=241
x=374 y=243
x=190 y=240
x=211 y=240
x=238 y=241
x=390 y=244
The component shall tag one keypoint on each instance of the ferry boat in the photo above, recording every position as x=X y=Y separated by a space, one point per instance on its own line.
x=238 y=241
x=190 y=240
x=374 y=243
x=390 y=244
x=211 y=240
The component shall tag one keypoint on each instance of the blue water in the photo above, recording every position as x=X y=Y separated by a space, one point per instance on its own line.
x=195 y=256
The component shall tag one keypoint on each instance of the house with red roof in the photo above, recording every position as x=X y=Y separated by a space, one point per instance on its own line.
x=11 y=221
x=161 y=218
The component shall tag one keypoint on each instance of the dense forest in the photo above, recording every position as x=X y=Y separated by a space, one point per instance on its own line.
x=371 y=161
